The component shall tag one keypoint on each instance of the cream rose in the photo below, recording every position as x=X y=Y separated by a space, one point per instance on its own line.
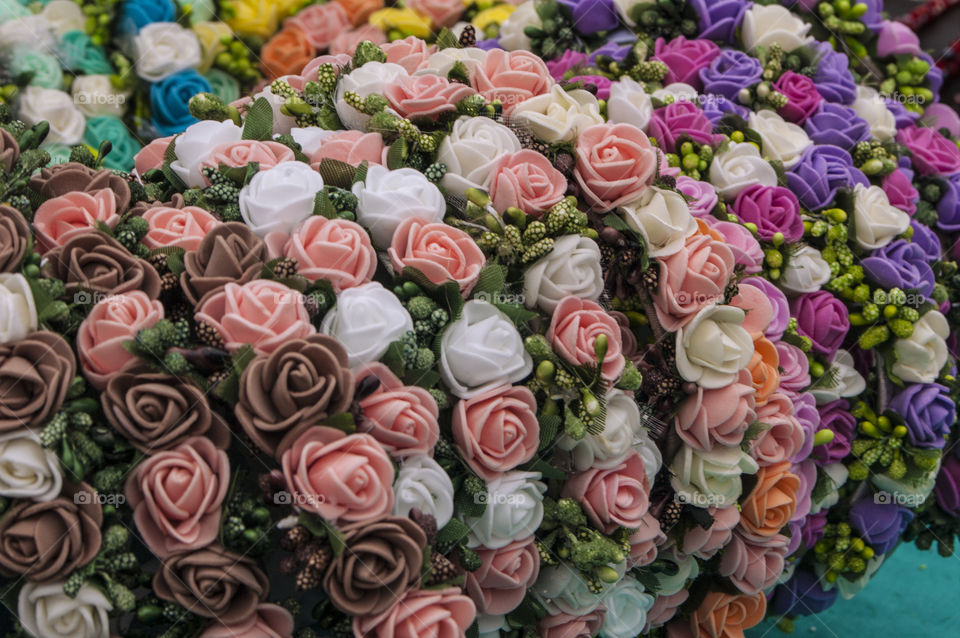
x=421 y=483
x=714 y=347
x=163 y=48
x=738 y=167
x=663 y=218
x=559 y=115
x=871 y=107
x=781 y=140
x=561 y=588
x=280 y=198
x=512 y=36
x=877 y=222
x=44 y=610
x=441 y=62
x=921 y=356
x=386 y=198
x=193 y=147
x=364 y=81
x=514 y=510
x=621 y=430
x=629 y=103
x=366 y=320
x=64 y=16
x=766 y=25
x=470 y=151
x=27 y=469
x=95 y=95
x=845 y=381
x=18 y=312
x=55 y=107
x=710 y=479
x=572 y=268
x=806 y=270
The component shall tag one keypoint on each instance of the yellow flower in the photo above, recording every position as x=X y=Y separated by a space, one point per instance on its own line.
x=254 y=17
x=289 y=7
x=406 y=21
x=493 y=15
x=209 y=34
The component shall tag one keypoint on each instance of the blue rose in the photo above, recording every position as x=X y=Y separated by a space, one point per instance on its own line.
x=802 y=595
x=137 y=14
x=880 y=524
x=169 y=98
x=107 y=127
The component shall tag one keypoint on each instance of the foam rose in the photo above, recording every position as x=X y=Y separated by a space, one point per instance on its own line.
x=613 y=497
x=574 y=328
x=441 y=252
x=615 y=164
x=497 y=430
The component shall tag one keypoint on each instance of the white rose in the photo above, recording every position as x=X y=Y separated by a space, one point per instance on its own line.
x=193 y=146
x=738 y=167
x=871 y=107
x=470 y=150
x=627 y=604
x=782 y=140
x=310 y=139
x=163 y=48
x=663 y=218
x=34 y=31
x=421 y=483
x=921 y=356
x=282 y=123
x=837 y=474
x=27 y=469
x=18 y=312
x=649 y=452
x=629 y=103
x=56 y=107
x=679 y=91
x=687 y=568
x=386 y=198
x=64 y=16
x=364 y=81
x=877 y=222
x=441 y=62
x=46 y=612
x=623 y=9
x=563 y=589
x=806 y=270
x=514 y=510
x=572 y=268
x=95 y=95
x=558 y=115
x=512 y=36
x=710 y=479
x=765 y=26
x=490 y=625
x=280 y=198
x=366 y=320
x=714 y=347
x=844 y=380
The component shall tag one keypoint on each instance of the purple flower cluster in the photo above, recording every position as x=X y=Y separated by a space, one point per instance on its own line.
x=880 y=524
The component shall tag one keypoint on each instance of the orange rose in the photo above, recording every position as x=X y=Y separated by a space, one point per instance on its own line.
x=764 y=369
x=726 y=616
x=286 y=53
x=359 y=10
x=772 y=502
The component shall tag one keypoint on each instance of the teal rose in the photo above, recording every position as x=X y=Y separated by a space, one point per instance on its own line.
x=79 y=53
x=223 y=85
x=125 y=147
x=44 y=68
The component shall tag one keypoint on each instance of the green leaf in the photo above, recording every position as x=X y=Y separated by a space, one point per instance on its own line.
x=421 y=378
x=360 y=175
x=315 y=525
x=258 y=124
x=323 y=207
x=175 y=263
x=546 y=470
x=343 y=421
x=337 y=543
x=243 y=357
x=336 y=173
x=454 y=532
x=393 y=358
x=549 y=427
x=228 y=390
x=473 y=505
x=446 y=39
x=516 y=312
x=491 y=280
x=397 y=154
x=459 y=73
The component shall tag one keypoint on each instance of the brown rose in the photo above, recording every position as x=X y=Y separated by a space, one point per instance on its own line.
x=156 y=411
x=61 y=179
x=228 y=253
x=301 y=382
x=41 y=541
x=35 y=375
x=381 y=562
x=9 y=150
x=95 y=261
x=213 y=583
x=176 y=201
x=14 y=237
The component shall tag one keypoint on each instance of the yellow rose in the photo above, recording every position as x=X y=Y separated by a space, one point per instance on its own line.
x=406 y=21
x=209 y=34
x=493 y=15
x=253 y=17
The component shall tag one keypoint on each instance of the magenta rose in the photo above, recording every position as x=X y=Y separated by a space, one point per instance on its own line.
x=681 y=118
x=684 y=59
x=774 y=209
x=823 y=318
x=931 y=152
x=900 y=191
x=803 y=96
x=896 y=38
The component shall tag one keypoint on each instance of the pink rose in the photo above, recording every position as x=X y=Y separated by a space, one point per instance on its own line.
x=759 y=311
x=348 y=40
x=527 y=180
x=773 y=209
x=901 y=192
x=497 y=430
x=504 y=576
x=746 y=249
x=613 y=497
x=563 y=625
x=441 y=252
x=681 y=118
x=573 y=331
x=321 y=23
x=411 y=53
x=112 y=322
x=443 y=613
x=184 y=227
x=425 y=96
x=61 y=218
x=402 y=418
x=343 y=478
x=702 y=196
x=442 y=13
x=243 y=152
x=351 y=147
x=783 y=435
x=176 y=496
x=151 y=156
x=753 y=563
x=268 y=621
x=261 y=313
x=717 y=417
x=704 y=543
x=941 y=115
x=337 y=250
x=692 y=278
x=806 y=471
x=931 y=153
x=794 y=367
x=645 y=541
x=684 y=59
x=664 y=609
x=511 y=77
x=802 y=93
x=309 y=72
x=615 y=163
x=896 y=38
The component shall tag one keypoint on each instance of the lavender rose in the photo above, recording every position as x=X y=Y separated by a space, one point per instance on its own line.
x=774 y=209
x=837 y=125
x=880 y=524
x=702 y=195
x=932 y=153
x=925 y=238
x=820 y=172
x=833 y=78
x=823 y=318
x=835 y=416
x=927 y=411
x=729 y=72
x=591 y=16
x=900 y=264
x=948 y=208
x=719 y=19
x=716 y=106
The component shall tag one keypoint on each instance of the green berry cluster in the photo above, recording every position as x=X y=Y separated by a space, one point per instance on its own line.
x=235 y=60
x=906 y=77
x=874 y=158
x=841 y=551
x=555 y=33
x=692 y=159
x=246 y=526
x=565 y=535
x=893 y=309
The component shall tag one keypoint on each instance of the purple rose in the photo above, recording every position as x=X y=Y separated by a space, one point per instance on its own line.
x=678 y=119
x=702 y=196
x=684 y=58
x=925 y=238
x=947 y=489
x=803 y=95
x=903 y=116
x=591 y=16
x=900 y=264
x=729 y=72
x=716 y=106
x=569 y=60
x=896 y=38
x=806 y=471
x=880 y=524
x=794 y=365
x=934 y=75
x=720 y=19
x=806 y=413
x=774 y=209
x=823 y=169
x=833 y=78
x=927 y=411
x=488 y=44
x=873 y=18
x=781 y=308
x=796 y=536
x=614 y=50
x=900 y=191
x=931 y=152
x=837 y=125
x=948 y=208
x=601 y=82
x=835 y=416
x=823 y=318
x=802 y=595
x=813 y=528
x=942 y=116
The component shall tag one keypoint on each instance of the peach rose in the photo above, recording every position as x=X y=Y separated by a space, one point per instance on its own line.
x=348 y=40
x=351 y=147
x=692 y=278
x=426 y=97
x=511 y=77
x=783 y=436
x=151 y=156
x=261 y=313
x=403 y=418
x=184 y=227
x=309 y=72
x=527 y=180
x=337 y=250
x=573 y=332
x=753 y=563
x=563 y=625
x=759 y=309
x=343 y=478
x=176 y=496
x=717 y=417
x=764 y=369
x=320 y=23
x=411 y=53
x=498 y=430
x=243 y=152
x=771 y=504
x=645 y=541
x=615 y=163
x=268 y=621
x=441 y=252
x=704 y=543
x=442 y=13
x=501 y=582
x=613 y=497
x=286 y=53
x=359 y=10
x=444 y=613
x=110 y=323
x=61 y=218
x=724 y=616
